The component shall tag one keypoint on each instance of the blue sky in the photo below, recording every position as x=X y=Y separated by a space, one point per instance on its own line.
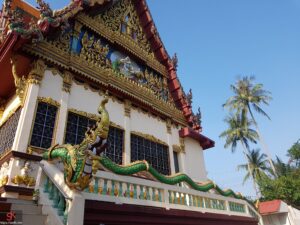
x=216 y=41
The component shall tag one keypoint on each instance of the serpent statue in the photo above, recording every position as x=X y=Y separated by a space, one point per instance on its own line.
x=82 y=161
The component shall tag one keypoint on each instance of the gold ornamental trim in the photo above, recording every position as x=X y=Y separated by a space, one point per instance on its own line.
x=149 y=137
x=84 y=114
x=106 y=77
x=37 y=72
x=116 y=125
x=126 y=42
x=49 y=101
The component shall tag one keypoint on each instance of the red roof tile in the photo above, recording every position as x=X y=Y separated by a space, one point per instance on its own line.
x=269 y=207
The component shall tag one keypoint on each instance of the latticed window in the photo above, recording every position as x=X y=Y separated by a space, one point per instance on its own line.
x=44 y=123
x=8 y=131
x=114 y=149
x=154 y=153
x=77 y=125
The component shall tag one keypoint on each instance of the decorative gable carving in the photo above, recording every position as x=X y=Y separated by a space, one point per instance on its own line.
x=122 y=17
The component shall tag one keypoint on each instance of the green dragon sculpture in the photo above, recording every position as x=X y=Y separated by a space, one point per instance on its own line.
x=83 y=160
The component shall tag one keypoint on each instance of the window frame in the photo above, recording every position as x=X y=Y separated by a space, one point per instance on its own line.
x=94 y=117
x=51 y=102
x=153 y=140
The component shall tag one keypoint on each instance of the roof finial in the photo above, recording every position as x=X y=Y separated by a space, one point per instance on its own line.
x=175 y=61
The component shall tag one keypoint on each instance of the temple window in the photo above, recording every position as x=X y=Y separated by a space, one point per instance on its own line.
x=8 y=131
x=176 y=162
x=44 y=123
x=154 y=153
x=114 y=150
x=77 y=125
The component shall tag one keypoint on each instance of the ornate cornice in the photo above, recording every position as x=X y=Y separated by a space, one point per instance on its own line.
x=37 y=72
x=48 y=100
x=126 y=42
x=149 y=137
x=105 y=77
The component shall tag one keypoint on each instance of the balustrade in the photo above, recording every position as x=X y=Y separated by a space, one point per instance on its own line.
x=59 y=202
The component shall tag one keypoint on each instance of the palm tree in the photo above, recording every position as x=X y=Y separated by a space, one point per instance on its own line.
x=239 y=131
x=248 y=96
x=258 y=165
x=282 y=169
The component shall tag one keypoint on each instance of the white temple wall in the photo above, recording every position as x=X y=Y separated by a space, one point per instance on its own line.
x=146 y=124
x=174 y=136
x=51 y=86
x=88 y=101
x=194 y=160
x=84 y=99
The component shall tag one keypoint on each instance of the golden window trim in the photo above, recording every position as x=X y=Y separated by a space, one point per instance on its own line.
x=92 y=116
x=49 y=101
x=178 y=148
x=84 y=114
x=112 y=124
x=149 y=137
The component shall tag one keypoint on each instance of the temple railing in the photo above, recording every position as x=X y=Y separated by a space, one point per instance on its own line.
x=62 y=205
x=67 y=206
x=110 y=187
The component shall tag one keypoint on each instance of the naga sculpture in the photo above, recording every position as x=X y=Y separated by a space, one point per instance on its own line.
x=83 y=160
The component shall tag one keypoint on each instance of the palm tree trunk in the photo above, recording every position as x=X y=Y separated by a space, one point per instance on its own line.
x=250 y=171
x=263 y=143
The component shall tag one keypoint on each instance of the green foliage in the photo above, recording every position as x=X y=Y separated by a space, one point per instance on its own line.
x=294 y=153
x=238 y=131
x=258 y=164
x=248 y=95
x=286 y=188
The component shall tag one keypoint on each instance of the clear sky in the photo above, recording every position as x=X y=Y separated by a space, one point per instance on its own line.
x=216 y=41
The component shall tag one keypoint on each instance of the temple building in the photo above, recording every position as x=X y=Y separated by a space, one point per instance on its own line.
x=95 y=126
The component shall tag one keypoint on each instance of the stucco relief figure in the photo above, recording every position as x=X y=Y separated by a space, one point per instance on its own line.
x=24 y=177
x=4 y=174
x=127 y=67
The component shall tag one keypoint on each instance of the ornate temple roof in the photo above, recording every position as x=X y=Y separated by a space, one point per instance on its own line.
x=36 y=24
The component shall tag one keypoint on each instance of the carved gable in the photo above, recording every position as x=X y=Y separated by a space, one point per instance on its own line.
x=108 y=45
x=123 y=18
